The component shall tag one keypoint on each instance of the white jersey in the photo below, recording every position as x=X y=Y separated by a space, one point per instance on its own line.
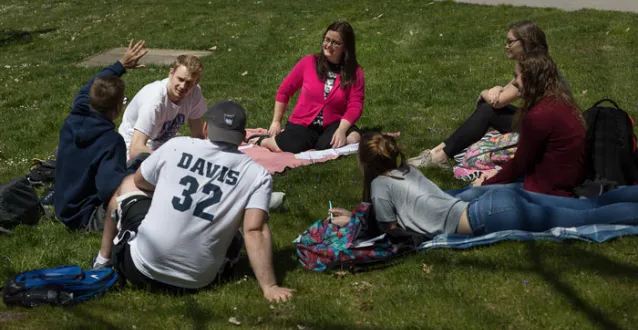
x=152 y=113
x=201 y=192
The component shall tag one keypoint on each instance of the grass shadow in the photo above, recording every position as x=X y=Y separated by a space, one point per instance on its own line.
x=283 y=263
x=552 y=277
x=9 y=37
x=578 y=258
x=199 y=315
x=93 y=314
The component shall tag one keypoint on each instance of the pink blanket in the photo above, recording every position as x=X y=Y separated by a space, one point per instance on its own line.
x=277 y=162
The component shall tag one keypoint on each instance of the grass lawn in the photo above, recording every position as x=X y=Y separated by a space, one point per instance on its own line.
x=424 y=62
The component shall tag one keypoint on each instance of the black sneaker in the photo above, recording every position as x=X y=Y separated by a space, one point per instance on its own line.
x=47 y=197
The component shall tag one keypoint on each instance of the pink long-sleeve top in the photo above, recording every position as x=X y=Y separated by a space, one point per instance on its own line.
x=341 y=103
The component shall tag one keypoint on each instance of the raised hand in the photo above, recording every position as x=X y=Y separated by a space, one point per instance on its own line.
x=133 y=54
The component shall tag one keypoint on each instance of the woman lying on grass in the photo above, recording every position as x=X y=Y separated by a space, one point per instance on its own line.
x=330 y=101
x=493 y=108
x=402 y=196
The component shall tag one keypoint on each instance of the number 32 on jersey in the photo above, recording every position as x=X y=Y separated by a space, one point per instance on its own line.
x=185 y=202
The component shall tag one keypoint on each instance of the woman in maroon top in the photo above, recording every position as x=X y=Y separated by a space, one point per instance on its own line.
x=552 y=146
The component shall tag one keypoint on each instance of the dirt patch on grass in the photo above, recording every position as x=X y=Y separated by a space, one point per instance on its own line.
x=11 y=316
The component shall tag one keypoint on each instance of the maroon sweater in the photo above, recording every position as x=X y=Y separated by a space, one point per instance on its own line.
x=551 y=151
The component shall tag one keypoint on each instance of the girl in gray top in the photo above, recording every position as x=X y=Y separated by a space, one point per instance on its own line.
x=402 y=196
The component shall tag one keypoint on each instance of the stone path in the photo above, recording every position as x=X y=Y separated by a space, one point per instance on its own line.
x=617 y=5
x=154 y=56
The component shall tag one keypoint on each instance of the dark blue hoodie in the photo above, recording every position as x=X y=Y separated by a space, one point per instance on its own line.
x=91 y=160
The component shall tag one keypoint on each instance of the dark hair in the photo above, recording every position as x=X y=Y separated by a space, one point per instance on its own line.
x=348 y=63
x=530 y=35
x=106 y=94
x=541 y=79
x=378 y=154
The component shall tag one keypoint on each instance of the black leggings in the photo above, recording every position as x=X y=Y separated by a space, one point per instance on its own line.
x=475 y=127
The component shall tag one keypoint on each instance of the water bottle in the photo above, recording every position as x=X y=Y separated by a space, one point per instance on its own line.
x=46 y=296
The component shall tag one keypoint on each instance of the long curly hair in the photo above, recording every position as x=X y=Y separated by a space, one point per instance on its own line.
x=378 y=154
x=541 y=80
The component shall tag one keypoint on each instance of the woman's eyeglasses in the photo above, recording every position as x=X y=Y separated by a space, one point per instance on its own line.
x=510 y=42
x=331 y=42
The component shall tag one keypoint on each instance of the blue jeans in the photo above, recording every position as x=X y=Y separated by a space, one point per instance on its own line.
x=470 y=193
x=517 y=209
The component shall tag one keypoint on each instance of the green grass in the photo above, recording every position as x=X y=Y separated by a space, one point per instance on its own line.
x=424 y=65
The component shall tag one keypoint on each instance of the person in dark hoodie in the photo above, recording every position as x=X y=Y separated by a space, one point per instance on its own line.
x=91 y=158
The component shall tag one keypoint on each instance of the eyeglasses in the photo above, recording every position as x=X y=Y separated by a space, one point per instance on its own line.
x=332 y=42
x=510 y=42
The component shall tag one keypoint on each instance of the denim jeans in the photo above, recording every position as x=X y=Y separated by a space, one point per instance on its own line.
x=470 y=193
x=517 y=209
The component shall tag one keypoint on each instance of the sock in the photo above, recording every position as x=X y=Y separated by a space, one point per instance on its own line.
x=100 y=260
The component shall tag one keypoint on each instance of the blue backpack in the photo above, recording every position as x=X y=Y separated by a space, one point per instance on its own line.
x=58 y=286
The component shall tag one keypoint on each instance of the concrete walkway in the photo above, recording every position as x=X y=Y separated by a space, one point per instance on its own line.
x=154 y=56
x=617 y=5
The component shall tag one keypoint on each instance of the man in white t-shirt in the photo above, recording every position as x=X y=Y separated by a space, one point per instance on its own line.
x=159 y=109
x=202 y=189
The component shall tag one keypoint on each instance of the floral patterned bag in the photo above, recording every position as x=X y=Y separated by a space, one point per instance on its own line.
x=493 y=151
x=324 y=246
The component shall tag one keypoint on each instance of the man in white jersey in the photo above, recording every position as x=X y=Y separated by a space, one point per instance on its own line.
x=202 y=189
x=159 y=109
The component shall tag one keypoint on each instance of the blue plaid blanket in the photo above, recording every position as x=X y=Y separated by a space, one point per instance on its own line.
x=591 y=233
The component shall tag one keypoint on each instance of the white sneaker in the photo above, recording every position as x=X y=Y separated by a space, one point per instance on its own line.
x=424 y=159
x=99 y=262
x=420 y=159
x=276 y=200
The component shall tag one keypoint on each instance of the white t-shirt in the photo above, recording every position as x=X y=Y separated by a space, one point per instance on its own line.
x=201 y=192
x=152 y=113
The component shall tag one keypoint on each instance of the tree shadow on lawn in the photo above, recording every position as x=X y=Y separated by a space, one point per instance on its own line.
x=592 y=261
x=284 y=258
x=282 y=263
x=8 y=37
x=578 y=259
x=95 y=314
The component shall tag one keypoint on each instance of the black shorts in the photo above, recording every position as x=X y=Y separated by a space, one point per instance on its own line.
x=134 y=209
x=297 y=138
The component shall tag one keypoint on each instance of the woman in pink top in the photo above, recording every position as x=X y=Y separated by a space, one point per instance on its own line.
x=330 y=101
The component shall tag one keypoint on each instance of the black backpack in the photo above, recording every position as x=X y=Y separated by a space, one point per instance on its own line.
x=611 y=146
x=42 y=172
x=19 y=204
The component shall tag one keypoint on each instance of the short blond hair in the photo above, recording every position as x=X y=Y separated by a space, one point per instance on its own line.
x=190 y=62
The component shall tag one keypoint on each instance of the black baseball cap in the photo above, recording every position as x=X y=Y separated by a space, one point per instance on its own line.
x=226 y=122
